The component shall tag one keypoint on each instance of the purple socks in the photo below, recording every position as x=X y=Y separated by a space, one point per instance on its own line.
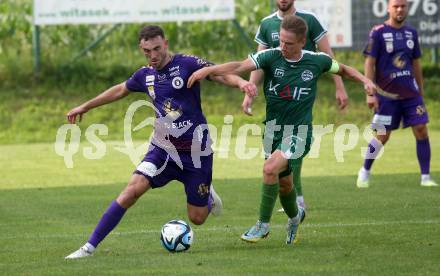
x=424 y=155
x=108 y=222
x=374 y=148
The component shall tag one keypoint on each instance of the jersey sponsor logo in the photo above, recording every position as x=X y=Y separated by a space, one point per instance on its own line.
x=382 y=119
x=275 y=36
x=387 y=36
x=174 y=71
x=177 y=82
x=307 y=75
x=403 y=73
x=389 y=46
x=296 y=94
x=279 y=73
x=150 y=89
x=410 y=44
x=149 y=78
x=172 y=112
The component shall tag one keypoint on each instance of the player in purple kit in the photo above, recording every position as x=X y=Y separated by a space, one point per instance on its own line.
x=180 y=148
x=393 y=62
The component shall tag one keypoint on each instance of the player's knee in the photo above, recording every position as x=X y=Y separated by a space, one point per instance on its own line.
x=421 y=132
x=269 y=170
x=196 y=218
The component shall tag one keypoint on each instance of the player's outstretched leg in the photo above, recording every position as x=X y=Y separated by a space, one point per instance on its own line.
x=137 y=186
x=215 y=204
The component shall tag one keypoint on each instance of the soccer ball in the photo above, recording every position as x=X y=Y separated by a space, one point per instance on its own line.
x=176 y=236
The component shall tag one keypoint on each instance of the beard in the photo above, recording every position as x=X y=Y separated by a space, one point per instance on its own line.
x=400 y=19
x=284 y=8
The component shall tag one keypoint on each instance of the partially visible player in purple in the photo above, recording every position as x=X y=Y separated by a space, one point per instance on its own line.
x=393 y=62
x=178 y=133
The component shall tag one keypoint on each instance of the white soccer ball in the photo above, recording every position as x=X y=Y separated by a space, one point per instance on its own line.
x=176 y=236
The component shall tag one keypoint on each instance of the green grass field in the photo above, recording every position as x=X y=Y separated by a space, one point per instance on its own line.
x=392 y=228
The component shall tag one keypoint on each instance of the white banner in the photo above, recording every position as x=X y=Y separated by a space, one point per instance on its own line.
x=54 y=12
x=335 y=15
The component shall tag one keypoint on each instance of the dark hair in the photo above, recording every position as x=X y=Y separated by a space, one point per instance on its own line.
x=294 y=24
x=150 y=31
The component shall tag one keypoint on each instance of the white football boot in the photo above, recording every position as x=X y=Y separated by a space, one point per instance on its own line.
x=84 y=251
x=216 y=202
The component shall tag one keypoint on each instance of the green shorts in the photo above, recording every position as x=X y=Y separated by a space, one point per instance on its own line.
x=294 y=148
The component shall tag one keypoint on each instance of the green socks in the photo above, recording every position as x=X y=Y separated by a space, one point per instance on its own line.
x=297 y=179
x=268 y=198
x=289 y=203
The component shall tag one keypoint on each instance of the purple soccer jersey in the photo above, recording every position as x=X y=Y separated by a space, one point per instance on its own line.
x=394 y=50
x=178 y=108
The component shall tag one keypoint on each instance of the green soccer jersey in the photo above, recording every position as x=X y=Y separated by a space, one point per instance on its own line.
x=290 y=86
x=268 y=33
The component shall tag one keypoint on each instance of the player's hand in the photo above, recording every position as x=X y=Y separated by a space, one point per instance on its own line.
x=370 y=87
x=198 y=75
x=247 y=105
x=72 y=114
x=341 y=98
x=372 y=102
x=249 y=88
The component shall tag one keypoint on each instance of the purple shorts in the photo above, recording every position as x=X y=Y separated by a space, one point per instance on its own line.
x=159 y=168
x=411 y=111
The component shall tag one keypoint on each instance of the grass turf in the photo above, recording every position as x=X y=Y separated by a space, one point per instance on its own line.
x=47 y=211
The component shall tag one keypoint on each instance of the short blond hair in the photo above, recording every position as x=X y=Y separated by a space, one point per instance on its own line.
x=294 y=24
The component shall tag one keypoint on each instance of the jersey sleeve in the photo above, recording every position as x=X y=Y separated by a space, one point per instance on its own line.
x=262 y=59
x=417 y=53
x=325 y=62
x=195 y=63
x=372 y=48
x=136 y=82
x=316 y=29
x=260 y=36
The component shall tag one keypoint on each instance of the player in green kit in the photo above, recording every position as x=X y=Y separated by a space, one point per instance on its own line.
x=267 y=37
x=290 y=81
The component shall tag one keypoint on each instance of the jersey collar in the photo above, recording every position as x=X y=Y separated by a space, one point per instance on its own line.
x=292 y=60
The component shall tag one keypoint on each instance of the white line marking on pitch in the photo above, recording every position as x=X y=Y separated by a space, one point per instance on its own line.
x=228 y=228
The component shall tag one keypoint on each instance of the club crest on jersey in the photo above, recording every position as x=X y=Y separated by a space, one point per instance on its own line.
x=279 y=73
x=307 y=75
x=275 y=36
x=410 y=44
x=170 y=110
x=177 y=82
x=399 y=62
